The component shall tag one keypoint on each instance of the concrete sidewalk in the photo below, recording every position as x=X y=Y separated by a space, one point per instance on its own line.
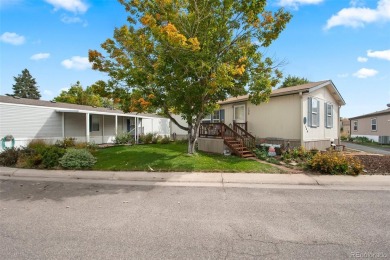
x=210 y=178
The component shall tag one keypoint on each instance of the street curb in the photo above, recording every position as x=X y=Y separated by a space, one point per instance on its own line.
x=201 y=177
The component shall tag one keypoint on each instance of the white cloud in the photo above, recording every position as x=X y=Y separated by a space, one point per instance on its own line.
x=75 y=6
x=12 y=38
x=359 y=16
x=77 y=63
x=296 y=3
x=362 y=59
x=379 y=54
x=365 y=73
x=40 y=56
x=68 y=20
x=343 y=75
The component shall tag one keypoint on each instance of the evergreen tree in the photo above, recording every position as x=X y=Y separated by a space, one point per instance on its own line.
x=25 y=86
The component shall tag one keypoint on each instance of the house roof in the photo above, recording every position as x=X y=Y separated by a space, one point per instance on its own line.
x=71 y=108
x=381 y=112
x=308 y=87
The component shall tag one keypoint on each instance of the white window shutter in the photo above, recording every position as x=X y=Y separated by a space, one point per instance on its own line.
x=318 y=113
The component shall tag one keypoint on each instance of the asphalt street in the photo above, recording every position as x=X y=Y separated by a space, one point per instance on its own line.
x=367 y=149
x=70 y=220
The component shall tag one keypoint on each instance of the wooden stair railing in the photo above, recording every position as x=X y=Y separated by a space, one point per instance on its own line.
x=249 y=139
x=232 y=139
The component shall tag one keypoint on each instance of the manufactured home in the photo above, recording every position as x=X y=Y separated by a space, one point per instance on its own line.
x=375 y=126
x=307 y=115
x=27 y=119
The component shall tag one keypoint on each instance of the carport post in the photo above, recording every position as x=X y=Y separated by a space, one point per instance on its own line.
x=87 y=127
x=116 y=125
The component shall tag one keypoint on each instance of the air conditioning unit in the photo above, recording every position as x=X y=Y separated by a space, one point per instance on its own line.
x=384 y=139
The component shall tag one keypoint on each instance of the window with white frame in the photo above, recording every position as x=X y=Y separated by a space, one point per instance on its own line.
x=216 y=117
x=313 y=112
x=94 y=122
x=355 y=125
x=328 y=115
x=373 y=124
x=239 y=114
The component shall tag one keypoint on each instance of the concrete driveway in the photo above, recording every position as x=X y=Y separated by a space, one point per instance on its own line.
x=366 y=149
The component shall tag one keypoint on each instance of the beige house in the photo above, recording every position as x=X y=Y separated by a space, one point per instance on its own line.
x=305 y=115
x=375 y=126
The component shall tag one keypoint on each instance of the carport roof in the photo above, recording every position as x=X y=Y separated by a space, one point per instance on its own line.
x=70 y=108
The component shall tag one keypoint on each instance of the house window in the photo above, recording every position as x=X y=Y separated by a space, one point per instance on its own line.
x=314 y=112
x=216 y=117
x=373 y=124
x=207 y=119
x=355 y=125
x=328 y=115
x=239 y=114
x=94 y=122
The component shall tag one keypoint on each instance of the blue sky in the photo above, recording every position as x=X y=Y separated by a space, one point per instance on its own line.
x=345 y=41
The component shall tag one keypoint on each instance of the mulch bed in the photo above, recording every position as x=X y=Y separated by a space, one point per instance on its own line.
x=375 y=164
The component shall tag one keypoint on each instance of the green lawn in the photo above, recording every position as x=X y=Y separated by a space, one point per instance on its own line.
x=172 y=157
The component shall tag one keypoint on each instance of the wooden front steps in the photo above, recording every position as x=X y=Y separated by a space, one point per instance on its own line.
x=238 y=148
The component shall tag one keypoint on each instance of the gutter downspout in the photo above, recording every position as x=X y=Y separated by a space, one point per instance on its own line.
x=338 y=125
x=301 y=119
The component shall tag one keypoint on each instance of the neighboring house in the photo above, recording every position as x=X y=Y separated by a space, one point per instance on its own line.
x=305 y=115
x=27 y=119
x=345 y=127
x=375 y=126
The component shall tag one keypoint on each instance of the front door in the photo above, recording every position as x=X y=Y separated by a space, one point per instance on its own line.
x=239 y=114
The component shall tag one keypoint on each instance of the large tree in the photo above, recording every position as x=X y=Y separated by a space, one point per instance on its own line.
x=291 y=81
x=77 y=95
x=25 y=86
x=183 y=56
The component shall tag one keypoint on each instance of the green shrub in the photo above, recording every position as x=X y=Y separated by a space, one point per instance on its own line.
x=156 y=138
x=261 y=153
x=344 y=138
x=9 y=156
x=124 y=138
x=362 y=139
x=67 y=142
x=148 y=138
x=332 y=162
x=51 y=156
x=77 y=159
x=165 y=140
x=38 y=145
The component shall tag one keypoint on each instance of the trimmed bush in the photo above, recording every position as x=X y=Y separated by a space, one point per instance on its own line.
x=124 y=138
x=9 y=157
x=332 y=162
x=51 y=156
x=66 y=142
x=77 y=159
x=165 y=140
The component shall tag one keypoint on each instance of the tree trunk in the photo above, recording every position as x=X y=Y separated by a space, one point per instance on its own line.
x=193 y=133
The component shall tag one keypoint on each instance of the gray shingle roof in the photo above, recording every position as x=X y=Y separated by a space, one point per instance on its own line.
x=385 y=111
x=282 y=92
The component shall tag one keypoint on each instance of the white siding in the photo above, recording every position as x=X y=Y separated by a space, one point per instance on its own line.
x=158 y=126
x=320 y=132
x=75 y=126
x=25 y=123
x=180 y=133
